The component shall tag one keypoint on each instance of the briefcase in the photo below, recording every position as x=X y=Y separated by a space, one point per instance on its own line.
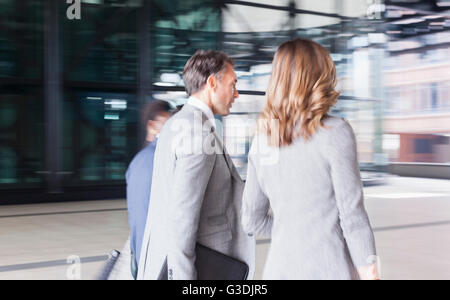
x=213 y=265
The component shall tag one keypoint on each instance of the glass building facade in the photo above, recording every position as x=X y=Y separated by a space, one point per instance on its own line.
x=71 y=90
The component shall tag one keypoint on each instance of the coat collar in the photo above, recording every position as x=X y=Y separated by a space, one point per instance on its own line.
x=219 y=140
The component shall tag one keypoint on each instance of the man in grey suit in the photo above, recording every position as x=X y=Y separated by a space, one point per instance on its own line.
x=196 y=190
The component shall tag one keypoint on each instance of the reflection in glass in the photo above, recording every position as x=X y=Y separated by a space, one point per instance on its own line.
x=100 y=136
x=393 y=69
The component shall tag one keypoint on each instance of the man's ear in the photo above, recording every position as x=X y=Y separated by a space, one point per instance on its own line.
x=150 y=126
x=212 y=82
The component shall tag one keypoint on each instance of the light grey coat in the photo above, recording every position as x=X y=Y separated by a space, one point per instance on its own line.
x=318 y=224
x=196 y=197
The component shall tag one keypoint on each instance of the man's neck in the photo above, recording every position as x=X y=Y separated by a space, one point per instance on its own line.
x=205 y=99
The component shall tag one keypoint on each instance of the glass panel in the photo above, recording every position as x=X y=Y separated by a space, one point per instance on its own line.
x=393 y=75
x=239 y=129
x=174 y=98
x=103 y=45
x=100 y=136
x=22 y=125
x=21 y=38
x=253 y=42
x=180 y=28
x=21 y=138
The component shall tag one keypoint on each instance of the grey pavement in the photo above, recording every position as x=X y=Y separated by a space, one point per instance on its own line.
x=410 y=216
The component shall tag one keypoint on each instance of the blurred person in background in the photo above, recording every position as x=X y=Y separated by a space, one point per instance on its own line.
x=139 y=176
x=197 y=193
x=310 y=202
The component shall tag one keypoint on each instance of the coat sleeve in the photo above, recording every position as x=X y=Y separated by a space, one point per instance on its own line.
x=256 y=218
x=347 y=185
x=191 y=176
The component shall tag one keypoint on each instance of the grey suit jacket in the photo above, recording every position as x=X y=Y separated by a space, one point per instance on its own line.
x=318 y=225
x=196 y=197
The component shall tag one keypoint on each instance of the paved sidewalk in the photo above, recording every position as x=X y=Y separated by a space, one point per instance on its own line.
x=410 y=216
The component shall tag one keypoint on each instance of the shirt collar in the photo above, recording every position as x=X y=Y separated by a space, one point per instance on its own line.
x=204 y=108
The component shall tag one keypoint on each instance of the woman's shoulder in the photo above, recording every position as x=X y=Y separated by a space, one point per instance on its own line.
x=337 y=133
x=335 y=125
x=333 y=121
x=259 y=140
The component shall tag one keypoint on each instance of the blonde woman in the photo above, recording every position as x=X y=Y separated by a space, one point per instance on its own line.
x=303 y=185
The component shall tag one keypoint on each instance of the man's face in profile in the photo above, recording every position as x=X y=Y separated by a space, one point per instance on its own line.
x=226 y=92
x=154 y=126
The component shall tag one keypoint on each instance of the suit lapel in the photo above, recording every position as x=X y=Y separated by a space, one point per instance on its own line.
x=227 y=157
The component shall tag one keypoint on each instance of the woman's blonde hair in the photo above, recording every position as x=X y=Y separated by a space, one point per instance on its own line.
x=300 y=94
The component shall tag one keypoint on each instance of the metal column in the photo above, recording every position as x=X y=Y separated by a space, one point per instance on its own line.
x=53 y=95
x=145 y=62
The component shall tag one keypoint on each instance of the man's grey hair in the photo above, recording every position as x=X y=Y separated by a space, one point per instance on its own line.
x=202 y=65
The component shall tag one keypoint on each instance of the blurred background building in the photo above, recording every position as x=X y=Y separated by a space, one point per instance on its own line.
x=71 y=90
